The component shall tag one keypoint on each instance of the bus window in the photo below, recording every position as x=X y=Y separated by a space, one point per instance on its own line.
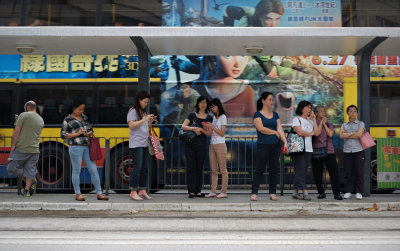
x=54 y=101
x=6 y=109
x=385 y=103
x=114 y=102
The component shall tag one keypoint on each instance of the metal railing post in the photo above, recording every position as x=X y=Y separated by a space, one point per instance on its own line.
x=107 y=167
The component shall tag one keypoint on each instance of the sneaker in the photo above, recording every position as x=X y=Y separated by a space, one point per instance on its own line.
x=296 y=196
x=347 y=196
x=306 y=197
x=32 y=189
x=358 y=196
x=25 y=193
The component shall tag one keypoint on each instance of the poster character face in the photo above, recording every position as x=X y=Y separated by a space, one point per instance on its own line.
x=232 y=66
x=272 y=19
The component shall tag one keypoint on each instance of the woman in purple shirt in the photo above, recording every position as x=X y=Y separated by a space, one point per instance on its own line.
x=323 y=138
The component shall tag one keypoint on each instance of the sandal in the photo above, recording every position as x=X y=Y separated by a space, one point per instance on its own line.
x=253 y=197
x=102 y=197
x=135 y=196
x=210 y=195
x=222 y=195
x=273 y=197
x=79 y=197
x=145 y=195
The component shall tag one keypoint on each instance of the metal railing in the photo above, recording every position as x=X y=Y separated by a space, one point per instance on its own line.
x=54 y=169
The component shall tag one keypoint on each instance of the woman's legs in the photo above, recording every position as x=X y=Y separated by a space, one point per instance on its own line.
x=262 y=158
x=91 y=166
x=273 y=166
x=214 y=168
x=221 y=157
x=76 y=155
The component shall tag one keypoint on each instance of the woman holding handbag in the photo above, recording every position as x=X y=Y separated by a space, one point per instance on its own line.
x=217 y=149
x=353 y=153
x=139 y=122
x=269 y=135
x=305 y=126
x=195 y=151
x=77 y=130
x=324 y=153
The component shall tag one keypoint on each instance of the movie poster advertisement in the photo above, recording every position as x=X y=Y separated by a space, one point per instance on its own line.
x=252 y=13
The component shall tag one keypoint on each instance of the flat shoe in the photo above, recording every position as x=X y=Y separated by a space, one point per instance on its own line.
x=200 y=195
x=79 y=197
x=222 y=195
x=102 y=197
x=210 y=195
x=273 y=197
x=253 y=197
x=191 y=196
x=145 y=195
x=135 y=197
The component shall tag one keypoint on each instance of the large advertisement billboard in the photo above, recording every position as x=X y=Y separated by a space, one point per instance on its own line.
x=252 y=13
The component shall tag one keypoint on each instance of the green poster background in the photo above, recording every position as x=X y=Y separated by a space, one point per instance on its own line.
x=388 y=162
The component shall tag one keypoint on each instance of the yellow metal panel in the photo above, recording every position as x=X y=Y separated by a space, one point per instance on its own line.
x=381 y=132
x=349 y=95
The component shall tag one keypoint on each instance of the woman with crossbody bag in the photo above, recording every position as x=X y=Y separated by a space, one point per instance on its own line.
x=304 y=125
x=195 y=151
x=324 y=153
x=139 y=122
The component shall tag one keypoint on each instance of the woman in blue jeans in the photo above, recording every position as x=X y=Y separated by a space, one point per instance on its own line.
x=77 y=130
x=139 y=122
x=269 y=135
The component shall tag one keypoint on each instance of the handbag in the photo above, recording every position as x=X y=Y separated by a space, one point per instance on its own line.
x=367 y=141
x=296 y=143
x=155 y=145
x=94 y=149
x=188 y=136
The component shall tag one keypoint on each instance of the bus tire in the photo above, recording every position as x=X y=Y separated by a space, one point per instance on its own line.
x=53 y=168
x=120 y=167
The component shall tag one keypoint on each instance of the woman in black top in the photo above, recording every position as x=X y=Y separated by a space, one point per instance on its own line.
x=195 y=152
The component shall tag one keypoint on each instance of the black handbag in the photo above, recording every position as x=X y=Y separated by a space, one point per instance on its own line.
x=186 y=136
x=321 y=153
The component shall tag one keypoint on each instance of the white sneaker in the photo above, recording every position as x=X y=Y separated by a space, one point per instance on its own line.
x=347 y=196
x=358 y=196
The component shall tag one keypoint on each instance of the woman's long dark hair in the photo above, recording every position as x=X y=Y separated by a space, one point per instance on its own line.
x=217 y=103
x=264 y=7
x=263 y=96
x=136 y=105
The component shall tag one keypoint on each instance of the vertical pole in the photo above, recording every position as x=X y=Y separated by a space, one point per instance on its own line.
x=363 y=100
x=144 y=81
x=99 y=13
x=107 y=167
x=282 y=166
x=24 y=13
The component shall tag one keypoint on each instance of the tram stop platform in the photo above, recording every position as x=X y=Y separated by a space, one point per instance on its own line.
x=178 y=201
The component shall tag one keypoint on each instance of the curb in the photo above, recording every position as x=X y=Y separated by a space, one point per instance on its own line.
x=195 y=207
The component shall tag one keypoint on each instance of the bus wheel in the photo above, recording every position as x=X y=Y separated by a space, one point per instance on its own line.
x=53 y=169
x=120 y=168
x=121 y=165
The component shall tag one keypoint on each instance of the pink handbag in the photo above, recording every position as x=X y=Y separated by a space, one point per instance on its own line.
x=156 y=145
x=367 y=141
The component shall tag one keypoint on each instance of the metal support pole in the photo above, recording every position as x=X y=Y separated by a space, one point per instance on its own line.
x=107 y=167
x=144 y=63
x=363 y=100
x=282 y=166
x=99 y=13
x=144 y=81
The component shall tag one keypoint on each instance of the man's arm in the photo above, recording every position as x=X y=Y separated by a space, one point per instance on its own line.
x=16 y=133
